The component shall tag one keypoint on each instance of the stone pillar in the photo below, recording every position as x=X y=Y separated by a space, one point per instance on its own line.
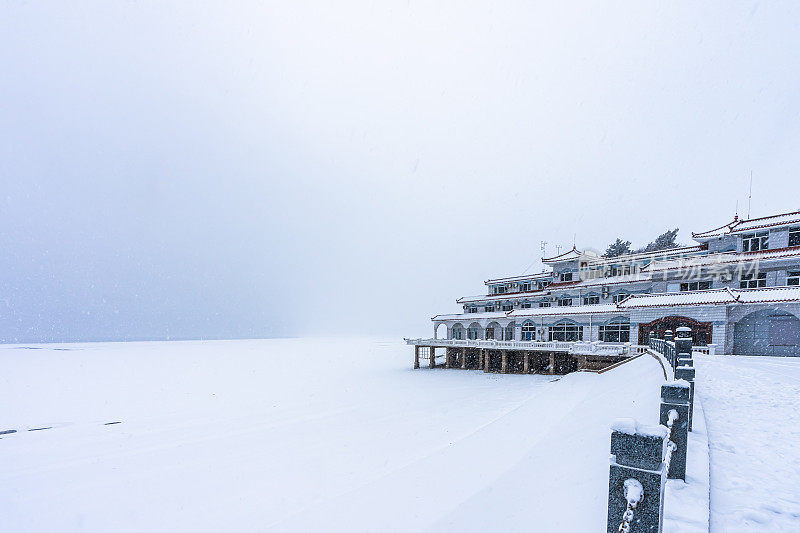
x=504 y=361
x=650 y=338
x=638 y=460
x=486 y=358
x=463 y=358
x=668 y=336
x=687 y=373
x=432 y=355
x=675 y=397
x=552 y=369
x=416 y=356
x=683 y=343
x=447 y=356
x=526 y=364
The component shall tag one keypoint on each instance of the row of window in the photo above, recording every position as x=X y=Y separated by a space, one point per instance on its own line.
x=746 y=281
x=753 y=242
x=614 y=332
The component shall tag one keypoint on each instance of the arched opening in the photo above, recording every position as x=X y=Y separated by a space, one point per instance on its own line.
x=440 y=332
x=767 y=332
x=701 y=331
x=528 y=331
x=566 y=330
x=493 y=331
x=474 y=331
x=616 y=330
x=508 y=332
x=457 y=332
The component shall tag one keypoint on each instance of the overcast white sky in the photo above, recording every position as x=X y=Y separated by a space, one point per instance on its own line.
x=250 y=169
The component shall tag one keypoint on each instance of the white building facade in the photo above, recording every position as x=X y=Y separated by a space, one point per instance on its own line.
x=738 y=289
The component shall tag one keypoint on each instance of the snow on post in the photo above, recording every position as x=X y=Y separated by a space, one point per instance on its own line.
x=675 y=399
x=637 y=476
x=687 y=373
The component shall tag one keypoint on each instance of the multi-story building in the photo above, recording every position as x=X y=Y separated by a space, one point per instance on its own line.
x=737 y=289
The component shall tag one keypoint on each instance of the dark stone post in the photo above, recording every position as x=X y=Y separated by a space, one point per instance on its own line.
x=638 y=454
x=675 y=397
x=687 y=373
x=683 y=347
x=650 y=339
x=668 y=336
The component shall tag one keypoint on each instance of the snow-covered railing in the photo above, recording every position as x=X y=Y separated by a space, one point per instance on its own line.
x=665 y=348
x=644 y=457
x=573 y=347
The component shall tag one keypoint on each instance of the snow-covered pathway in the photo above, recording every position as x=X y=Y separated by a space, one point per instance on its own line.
x=752 y=407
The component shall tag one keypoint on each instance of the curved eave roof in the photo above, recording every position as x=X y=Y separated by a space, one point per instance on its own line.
x=753 y=224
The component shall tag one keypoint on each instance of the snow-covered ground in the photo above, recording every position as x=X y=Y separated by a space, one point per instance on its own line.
x=305 y=435
x=752 y=407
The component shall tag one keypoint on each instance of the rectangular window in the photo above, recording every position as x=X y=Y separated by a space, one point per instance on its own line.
x=566 y=332
x=472 y=309
x=544 y=304
x=752 y=242
x=488 y=309
x=564 y=302
x=526 y=305
x=489 y=333
x=525 y=287
x=615 y=333
x=591 y=300
x=507 y=307
x=752 y=281
x=695 y=286
x=566 y=276
x=793 y=277
x=619 y=297
x=794 y=237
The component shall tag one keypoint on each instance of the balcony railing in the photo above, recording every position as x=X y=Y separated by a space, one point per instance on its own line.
x=573 y=347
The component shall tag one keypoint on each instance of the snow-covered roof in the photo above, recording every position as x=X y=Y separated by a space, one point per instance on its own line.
x=739 y=226
x=665 y=299
x=570 y=310
x=669 y=299
x=571 y=255
x=681 y=250
x=713 y=297
x=496 y=297
x=722 y=258
x=522 y=277
x=768 y=295
x=469 y=317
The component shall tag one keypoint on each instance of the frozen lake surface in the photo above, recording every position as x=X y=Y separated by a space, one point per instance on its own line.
x=302 y=435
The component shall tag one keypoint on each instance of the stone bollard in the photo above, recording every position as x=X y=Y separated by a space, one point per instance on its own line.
x=650 y=338
x=685 y=361
x=683 y=342
x=687 y=373
x=638 y=454
x=675 y=397
x=668 y=336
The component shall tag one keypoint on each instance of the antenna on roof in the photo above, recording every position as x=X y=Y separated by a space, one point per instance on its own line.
x=750 y=197
x=573 y=240
x=558 y=249
x=736 y=214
